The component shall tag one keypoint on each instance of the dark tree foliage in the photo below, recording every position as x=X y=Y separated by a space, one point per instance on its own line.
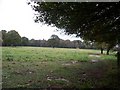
x=13 y=38
x=54 y=41
x=1 y=40
x=3 y=32
x=93 y=21
x=24 y=41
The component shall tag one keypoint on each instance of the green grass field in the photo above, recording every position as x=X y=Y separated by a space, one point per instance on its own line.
x=36 y=67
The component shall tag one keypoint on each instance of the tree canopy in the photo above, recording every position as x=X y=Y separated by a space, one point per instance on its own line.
x=13 y=38
x=24 y=41
x=92 y=21
x=10 y=38
x=54 y=41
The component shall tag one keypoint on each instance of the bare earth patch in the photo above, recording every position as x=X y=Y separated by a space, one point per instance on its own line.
x=91 y=55
x=70 y=63
x=94 y=61
x=57 y=79
x=96 y=56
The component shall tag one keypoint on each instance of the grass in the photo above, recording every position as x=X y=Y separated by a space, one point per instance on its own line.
x=36 y=67
x=48 y=54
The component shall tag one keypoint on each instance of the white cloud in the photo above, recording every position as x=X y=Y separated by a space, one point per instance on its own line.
x=17 y=15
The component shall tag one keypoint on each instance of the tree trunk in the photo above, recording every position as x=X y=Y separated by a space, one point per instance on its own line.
x=101 y=50
x=118 y=65
x=108 y=51
x=118 y=59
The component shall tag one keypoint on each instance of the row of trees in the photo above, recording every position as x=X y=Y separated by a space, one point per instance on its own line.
x=12 y=38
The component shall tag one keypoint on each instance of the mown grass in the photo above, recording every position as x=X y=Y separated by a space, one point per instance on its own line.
x=36 y=67
x=48 y=54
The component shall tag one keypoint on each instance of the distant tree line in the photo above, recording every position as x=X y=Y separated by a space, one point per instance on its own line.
x=12 y=38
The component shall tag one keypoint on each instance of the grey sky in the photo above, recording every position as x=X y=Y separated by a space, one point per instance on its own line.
x=17 y=15
x=76 y=0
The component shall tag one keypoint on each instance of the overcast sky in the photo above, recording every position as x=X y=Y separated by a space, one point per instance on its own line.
x=17 y=15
